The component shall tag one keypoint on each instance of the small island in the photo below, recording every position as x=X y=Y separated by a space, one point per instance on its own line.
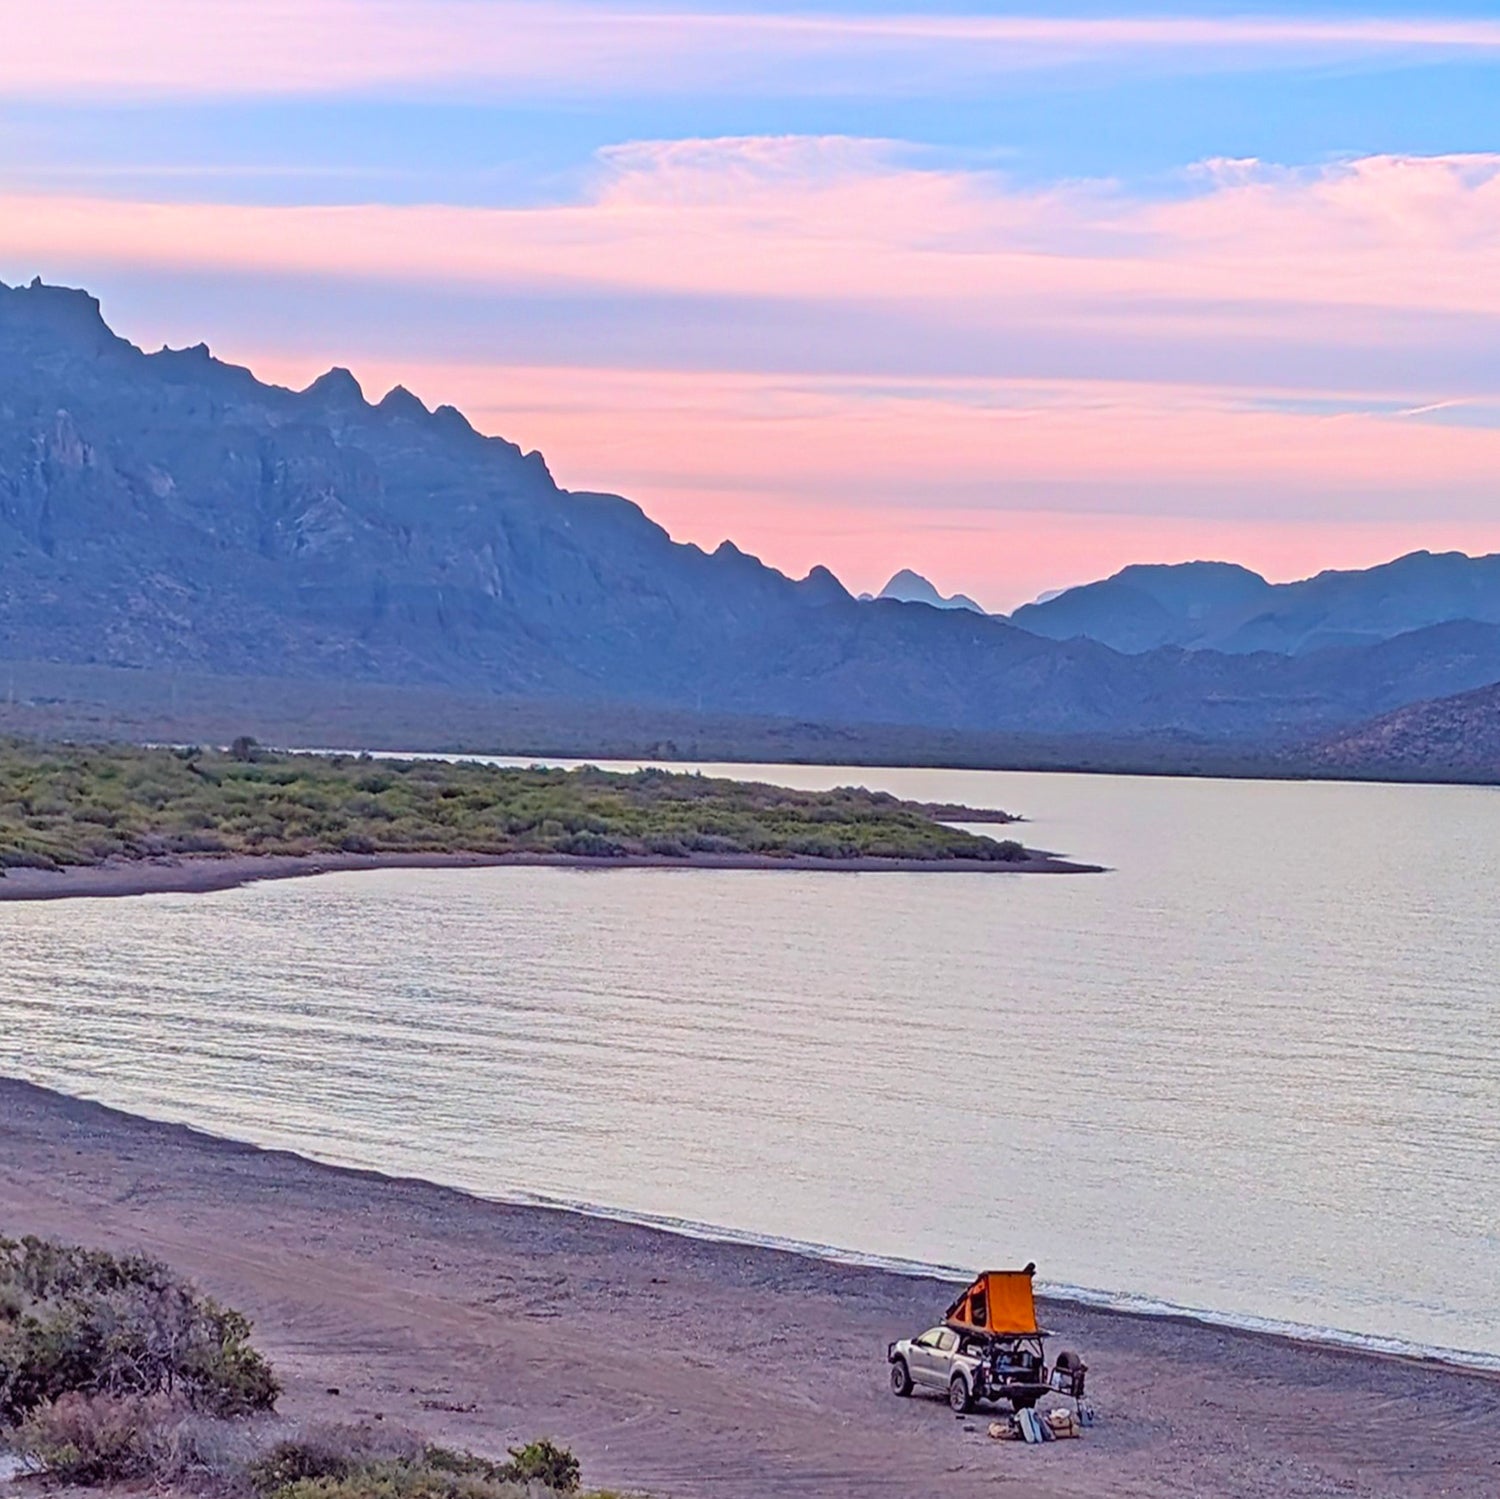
x=117 y=819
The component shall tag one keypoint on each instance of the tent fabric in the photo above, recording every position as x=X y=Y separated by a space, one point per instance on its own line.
x=999 y=1301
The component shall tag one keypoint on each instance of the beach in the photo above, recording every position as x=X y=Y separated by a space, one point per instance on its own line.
x=688 y=1367
x=201 y=875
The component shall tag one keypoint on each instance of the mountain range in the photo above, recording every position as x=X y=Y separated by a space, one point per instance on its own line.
x=170 y=512
x=1223 y=607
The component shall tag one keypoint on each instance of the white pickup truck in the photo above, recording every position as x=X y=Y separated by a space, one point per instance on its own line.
x=990 y=1347
x=970 y=1367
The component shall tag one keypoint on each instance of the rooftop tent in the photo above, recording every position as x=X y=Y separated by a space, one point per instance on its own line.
x=999 y=1301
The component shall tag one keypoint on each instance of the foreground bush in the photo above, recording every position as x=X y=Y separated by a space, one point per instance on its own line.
x=115 y=1371
x=110 y=1439
x=104 y=1440
x=90 y=1439
x=543 y=1462
x=79 y=1321
x=329 y=1452
x=355 y=1463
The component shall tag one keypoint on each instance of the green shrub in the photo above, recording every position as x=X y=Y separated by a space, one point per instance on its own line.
x=65 y=805
x=398 y=1481
x=75 y=1320
x=332 y=1451
x=589 y=846
x=545 y=1463
x=463 y=1464
x=354 y=1462
x=159 y=1440
x=92 y=1439
x=133 y=1439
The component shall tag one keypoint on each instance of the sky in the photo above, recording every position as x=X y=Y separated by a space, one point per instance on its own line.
x=1010 y=294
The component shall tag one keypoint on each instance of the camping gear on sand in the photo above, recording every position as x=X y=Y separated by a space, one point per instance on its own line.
x=1054 y=1425
x=1068 y=1375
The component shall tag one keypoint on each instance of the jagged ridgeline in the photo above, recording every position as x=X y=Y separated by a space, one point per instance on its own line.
x=168 y=512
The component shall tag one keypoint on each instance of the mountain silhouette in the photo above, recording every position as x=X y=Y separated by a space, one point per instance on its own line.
x=1223 y=607
x=169 y=511
x=908 y=587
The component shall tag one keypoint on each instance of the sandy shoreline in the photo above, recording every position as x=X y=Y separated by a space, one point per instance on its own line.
x=203 y=874
x=692 y=1367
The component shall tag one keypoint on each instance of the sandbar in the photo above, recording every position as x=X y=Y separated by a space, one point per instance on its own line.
x=202 y=874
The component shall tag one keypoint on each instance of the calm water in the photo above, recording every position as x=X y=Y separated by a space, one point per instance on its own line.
x=1254 y=1071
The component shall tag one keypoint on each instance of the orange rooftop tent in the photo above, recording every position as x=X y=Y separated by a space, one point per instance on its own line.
x=999 y=1302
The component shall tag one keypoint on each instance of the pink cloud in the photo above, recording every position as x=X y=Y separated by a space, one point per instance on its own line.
x=828 y=466
x=259 y=47
x=884 y=442
x=964 y=478
x=840 y=220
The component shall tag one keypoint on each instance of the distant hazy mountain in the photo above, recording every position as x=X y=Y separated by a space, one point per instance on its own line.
x=908 y=587
x=1143 y=607
x=170 y=512
x=1219 y=606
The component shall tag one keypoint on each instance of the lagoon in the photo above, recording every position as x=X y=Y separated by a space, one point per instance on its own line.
x=1253 y=1071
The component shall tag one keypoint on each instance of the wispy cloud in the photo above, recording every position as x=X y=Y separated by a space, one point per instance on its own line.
x=268 y=47
x=844 y=221
x=838 y=294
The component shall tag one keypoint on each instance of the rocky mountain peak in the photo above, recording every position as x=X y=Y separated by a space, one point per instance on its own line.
x=451 y=419
x=62 y=315
x=398 y=401
x=337 y=388
x=909 y=587
x=823 y=586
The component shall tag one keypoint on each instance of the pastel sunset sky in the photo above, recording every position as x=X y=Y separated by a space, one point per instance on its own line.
x=1007 y=294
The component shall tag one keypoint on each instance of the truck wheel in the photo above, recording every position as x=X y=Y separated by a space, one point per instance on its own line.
x=958 y=1394
x=900 y=1377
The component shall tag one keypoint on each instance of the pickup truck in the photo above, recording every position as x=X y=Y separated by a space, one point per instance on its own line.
x=969 y=1367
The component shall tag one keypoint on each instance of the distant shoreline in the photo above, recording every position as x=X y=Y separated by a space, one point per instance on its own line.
x=205 y=874
x=56 y=701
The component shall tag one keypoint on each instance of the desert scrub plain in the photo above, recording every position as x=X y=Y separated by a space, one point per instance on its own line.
x=66 y=805
x=114 y=1371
